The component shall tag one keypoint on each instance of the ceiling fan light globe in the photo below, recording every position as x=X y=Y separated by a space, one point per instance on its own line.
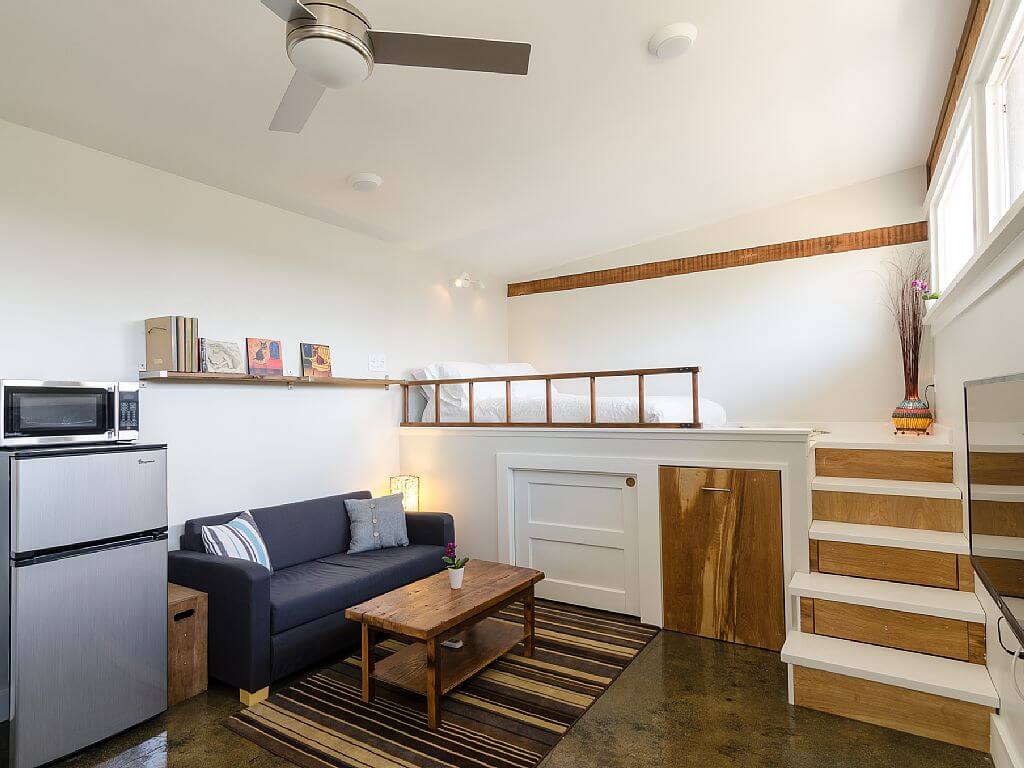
x=332 y=63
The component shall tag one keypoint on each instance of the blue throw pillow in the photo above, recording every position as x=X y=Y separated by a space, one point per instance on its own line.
x=240 y=539
x=376 y=523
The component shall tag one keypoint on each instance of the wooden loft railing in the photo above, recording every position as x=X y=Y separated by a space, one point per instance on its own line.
x=640 y=373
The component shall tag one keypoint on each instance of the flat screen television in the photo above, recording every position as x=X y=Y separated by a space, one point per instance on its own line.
x=995 y=471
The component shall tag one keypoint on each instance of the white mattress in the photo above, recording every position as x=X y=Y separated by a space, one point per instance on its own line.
x=658 y=409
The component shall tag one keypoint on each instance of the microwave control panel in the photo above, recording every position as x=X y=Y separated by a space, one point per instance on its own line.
x=128 y=415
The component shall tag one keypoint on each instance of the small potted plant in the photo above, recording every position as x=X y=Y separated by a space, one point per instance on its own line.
x=929 y=296
x=456 y=565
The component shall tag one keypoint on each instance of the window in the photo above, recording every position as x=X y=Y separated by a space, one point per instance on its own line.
x=953 y=217
x=1006 y=123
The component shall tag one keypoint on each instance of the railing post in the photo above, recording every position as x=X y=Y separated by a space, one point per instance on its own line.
x=640 y=397
x=437 y=403
x=405 y=403
x=471 y=409
x=548 y=401
x=508 y=401
x=593 y=399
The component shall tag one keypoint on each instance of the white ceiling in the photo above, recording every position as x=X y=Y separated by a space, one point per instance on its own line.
x=601 y=146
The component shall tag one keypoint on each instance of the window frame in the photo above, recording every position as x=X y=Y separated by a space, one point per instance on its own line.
x=1009 y=52
x=953 y=154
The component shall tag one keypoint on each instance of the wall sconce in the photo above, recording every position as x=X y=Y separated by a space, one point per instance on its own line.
x=466 y=280
x=409 y=487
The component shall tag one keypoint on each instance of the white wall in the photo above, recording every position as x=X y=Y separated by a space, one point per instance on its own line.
x=90 y=245
x=985 y=341
x=800 y=341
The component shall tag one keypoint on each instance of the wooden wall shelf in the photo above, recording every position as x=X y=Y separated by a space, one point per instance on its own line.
x=245 y=378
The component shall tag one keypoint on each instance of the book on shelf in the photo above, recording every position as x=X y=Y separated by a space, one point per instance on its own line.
x=172 y=344
x=161 y=344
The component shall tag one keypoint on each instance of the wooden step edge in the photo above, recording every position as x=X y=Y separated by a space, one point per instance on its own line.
x=889 y=595
x=876 y=487
x=869 y=463
x=939 y=676
x=902 y=709
x=887 y=536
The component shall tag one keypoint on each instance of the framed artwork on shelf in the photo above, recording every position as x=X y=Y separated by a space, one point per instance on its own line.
x=221 y=357
x=316 y=360
x=264 y=357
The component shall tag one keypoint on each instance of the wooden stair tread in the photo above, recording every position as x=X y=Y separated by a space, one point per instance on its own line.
x=888 y=595
x=886 y=536
x=879 y=436
x=1008 y=493
x=886 y=487
x=959 y=680
x=1008 y=547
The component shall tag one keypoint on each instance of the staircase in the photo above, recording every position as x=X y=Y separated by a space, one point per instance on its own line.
x=891 y=631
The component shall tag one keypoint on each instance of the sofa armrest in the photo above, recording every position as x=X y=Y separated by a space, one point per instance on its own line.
x=436 y=528
x=239 y=614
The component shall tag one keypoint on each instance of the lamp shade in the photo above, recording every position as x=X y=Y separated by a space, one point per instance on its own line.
x=409 y=487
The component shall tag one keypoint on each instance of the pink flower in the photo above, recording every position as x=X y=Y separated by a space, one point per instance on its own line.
x=919 y=285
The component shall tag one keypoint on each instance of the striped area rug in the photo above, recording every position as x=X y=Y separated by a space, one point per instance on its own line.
x=510 y=715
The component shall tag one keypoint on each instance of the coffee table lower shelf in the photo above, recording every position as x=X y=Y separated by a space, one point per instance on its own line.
x=484 y=642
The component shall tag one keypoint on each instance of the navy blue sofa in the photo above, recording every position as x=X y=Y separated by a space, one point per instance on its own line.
x=262 y=626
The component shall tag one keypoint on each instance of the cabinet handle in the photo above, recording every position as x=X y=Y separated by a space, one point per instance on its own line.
x=147 y=461
x=718 y=490
x=181 y=616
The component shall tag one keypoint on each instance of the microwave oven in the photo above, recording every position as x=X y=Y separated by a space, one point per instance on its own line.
x=59 y=412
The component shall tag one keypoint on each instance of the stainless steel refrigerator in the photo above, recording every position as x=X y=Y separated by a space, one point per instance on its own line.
x=88 y=594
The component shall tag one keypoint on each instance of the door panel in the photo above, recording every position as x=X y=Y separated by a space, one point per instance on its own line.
x=580 y=529
x=115 y=494
x=89 y=649
x=721 y=534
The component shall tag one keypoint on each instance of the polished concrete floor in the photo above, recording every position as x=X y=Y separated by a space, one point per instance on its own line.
x=683 y=702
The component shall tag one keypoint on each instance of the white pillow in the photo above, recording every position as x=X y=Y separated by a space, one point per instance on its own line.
x=529 y=389
x=458 y=394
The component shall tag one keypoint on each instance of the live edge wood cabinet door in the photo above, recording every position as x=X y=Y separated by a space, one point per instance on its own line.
x=721 y=554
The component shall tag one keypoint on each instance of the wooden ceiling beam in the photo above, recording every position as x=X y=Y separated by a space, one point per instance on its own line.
x=976 y=14
x=901 y=234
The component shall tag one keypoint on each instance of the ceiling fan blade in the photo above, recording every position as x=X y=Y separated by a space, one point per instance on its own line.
x=289 y=10
x=468 y=53
x=297 y=105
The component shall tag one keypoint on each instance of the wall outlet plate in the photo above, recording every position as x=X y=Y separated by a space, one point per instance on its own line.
x=377 y=362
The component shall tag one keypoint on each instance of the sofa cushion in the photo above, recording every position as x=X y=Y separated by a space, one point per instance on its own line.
x=309 y=591
x=303 y=531
x=376 y=523
x=239 y=540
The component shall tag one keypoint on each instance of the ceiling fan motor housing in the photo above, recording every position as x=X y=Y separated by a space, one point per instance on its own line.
x=335 y=49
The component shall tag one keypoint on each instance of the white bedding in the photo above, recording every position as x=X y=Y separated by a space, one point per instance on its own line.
x=659 y=409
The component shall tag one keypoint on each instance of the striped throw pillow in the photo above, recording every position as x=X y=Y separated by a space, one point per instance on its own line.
x=240 y=539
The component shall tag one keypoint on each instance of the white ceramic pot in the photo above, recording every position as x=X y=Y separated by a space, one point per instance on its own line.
x=455 y=577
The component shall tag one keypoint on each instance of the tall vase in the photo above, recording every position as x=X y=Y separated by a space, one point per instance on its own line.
x=913 y=415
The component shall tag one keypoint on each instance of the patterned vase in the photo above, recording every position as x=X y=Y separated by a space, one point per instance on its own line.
x=913 y=415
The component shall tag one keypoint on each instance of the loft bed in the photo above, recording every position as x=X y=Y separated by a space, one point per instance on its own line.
x=517 y=395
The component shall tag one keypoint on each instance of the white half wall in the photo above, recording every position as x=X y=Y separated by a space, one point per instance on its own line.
x=93 y=244
x=985 y=341
x=804 y=341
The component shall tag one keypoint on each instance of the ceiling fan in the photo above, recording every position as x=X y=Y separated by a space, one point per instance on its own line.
x=331 y=44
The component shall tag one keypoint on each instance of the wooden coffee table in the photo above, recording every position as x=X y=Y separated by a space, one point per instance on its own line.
x=429 y=612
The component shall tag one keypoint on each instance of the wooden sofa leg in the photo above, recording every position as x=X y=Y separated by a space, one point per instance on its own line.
x=253 y=698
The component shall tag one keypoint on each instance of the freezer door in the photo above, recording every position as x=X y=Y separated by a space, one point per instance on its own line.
x=59 y=501
x=89 y=650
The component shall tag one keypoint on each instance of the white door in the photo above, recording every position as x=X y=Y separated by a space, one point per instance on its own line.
x=580 y=528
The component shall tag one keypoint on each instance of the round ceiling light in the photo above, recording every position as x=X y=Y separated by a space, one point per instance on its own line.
x=365 y=182
x=672 y=41
x=332 y=62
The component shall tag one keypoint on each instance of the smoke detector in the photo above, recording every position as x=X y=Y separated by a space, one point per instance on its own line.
x=672 y=41
x=365 y=182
